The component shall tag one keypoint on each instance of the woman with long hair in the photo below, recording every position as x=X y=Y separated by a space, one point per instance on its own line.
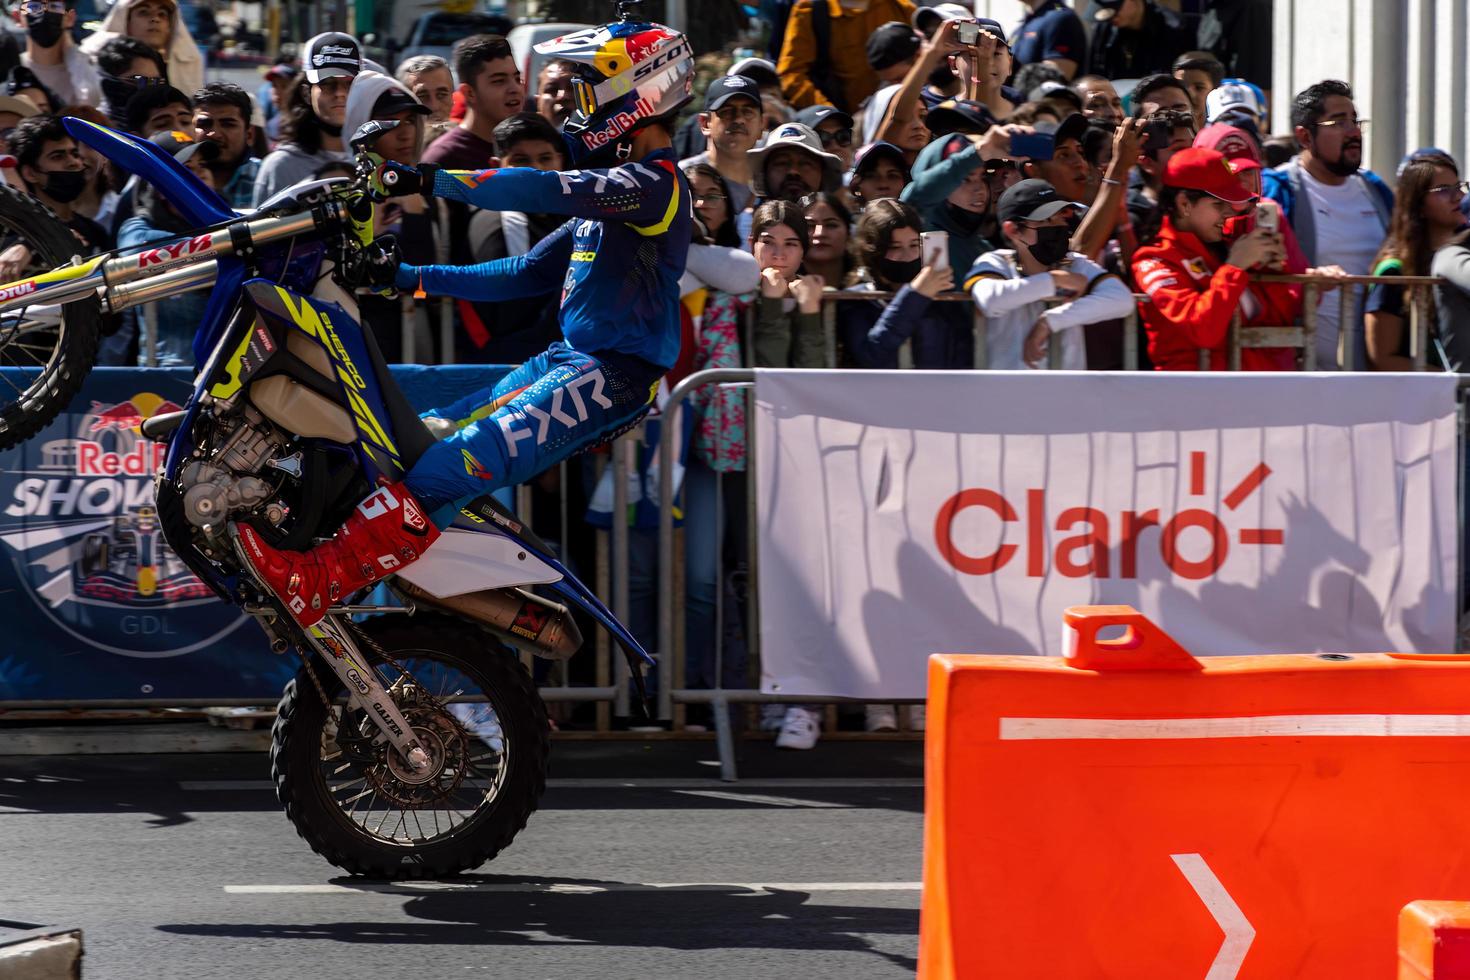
x=831 y=228
x=1426 y=217
x=888 y=249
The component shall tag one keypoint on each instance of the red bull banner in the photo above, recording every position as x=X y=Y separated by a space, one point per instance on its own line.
x=95 y=604
x=904 y=514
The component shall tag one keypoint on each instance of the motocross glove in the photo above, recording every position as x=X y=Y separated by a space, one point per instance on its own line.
x=399 y=180
x=380 y=261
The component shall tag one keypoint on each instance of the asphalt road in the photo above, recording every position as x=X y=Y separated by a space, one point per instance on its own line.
x=637 y=865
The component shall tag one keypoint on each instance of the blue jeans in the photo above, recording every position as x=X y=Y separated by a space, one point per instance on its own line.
x=554 y=405
x=704 y=525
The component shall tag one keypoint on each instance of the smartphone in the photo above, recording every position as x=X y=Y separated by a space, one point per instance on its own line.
x=1268 y=219
x=969 y=33
x=935 y=241
x=1037 y=146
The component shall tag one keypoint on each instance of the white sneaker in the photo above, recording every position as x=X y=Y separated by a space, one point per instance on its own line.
x=918 y=717
x=881 y=718
x=799 y=730
x=773 y=716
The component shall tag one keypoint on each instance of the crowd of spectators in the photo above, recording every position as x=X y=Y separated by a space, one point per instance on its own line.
x=1037 y=176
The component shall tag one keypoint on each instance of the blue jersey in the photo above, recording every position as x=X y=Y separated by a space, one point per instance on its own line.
x=618 y=262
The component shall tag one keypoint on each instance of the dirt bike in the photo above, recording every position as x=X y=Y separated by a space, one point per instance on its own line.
x=411 y=743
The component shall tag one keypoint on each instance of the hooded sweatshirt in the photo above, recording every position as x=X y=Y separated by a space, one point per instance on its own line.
x=367 y=88
x=184 y=61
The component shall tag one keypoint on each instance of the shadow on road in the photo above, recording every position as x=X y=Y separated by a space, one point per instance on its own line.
x=676 y=918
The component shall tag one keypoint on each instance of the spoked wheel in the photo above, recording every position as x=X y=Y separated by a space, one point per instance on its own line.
x=45 y=351
x=475 y=711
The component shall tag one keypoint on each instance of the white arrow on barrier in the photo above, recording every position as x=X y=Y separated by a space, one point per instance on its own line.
x=1239 y=933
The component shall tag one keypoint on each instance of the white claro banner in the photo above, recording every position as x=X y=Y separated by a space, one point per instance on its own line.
x=909 y=513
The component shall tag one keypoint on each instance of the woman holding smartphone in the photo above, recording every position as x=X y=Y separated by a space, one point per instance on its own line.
x=890 y=253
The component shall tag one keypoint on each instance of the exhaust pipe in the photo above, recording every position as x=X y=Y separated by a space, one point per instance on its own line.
x=524 y=620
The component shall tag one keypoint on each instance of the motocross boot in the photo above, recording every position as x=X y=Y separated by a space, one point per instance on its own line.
x=387 y=531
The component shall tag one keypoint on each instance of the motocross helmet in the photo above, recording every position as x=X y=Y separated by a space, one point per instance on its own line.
x=628 y=75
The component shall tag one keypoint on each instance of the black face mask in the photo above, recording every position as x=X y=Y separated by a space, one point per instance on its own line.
x=45 y=30
x=64 y=186
x=1052 y=245
x=897 y=272
x=966 y=222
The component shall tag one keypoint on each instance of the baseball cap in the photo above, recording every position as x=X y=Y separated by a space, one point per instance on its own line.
x=282 y=71
x=1106 y=9
x=1197 y=169
x=959 y=116
x=394 y=100
x=1230 y=96
x=722 y=90
x=802 y=138
x=815 y=115
x=1233 y=143
x=1071 y=128
x=182 y=147
x=869 y=156
x=890 y=44
x=926 y=20
x=763 y=71
x=1033 y=200
x=332 y=55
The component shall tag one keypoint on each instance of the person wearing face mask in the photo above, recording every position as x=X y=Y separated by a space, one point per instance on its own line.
x=1339 y=211
x=126 y=66
x=1012 y=287
x=951 y=193
x=157 y=24
x=59 y=64
x=50 y=163
x=316 y=109
x=888 y=248
x=1196 y=284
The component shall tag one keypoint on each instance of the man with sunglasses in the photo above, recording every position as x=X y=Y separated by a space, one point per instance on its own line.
x=1339 y=211
x=732 y=124
x=833 y=127
x=59 y=64
x=126 y=67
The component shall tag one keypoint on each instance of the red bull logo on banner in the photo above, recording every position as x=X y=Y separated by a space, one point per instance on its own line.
x=80 y=525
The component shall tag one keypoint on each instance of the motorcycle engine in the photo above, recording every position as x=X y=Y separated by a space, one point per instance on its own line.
x=227 y=481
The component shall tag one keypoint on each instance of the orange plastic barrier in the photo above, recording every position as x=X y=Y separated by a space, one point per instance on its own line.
x=1132 y=812
x=1434 y=941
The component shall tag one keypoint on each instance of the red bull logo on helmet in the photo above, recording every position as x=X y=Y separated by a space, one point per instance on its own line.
x=617 y=125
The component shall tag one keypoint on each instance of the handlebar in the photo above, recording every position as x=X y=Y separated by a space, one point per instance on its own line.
x=174 y=266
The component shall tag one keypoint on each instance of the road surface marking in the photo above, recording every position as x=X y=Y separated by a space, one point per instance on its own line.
x=785 y=801
x=1239 y=933
x=1264 y=726
x=248 y=785
x=570 y=888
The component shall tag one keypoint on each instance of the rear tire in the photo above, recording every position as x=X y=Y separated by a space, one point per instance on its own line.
x=304 y=732
x=46 y=385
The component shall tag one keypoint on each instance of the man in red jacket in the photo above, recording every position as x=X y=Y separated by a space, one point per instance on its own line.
x=1196 y=285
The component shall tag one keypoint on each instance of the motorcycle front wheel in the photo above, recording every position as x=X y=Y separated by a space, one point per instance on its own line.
x=45 y=352
x=475 y=710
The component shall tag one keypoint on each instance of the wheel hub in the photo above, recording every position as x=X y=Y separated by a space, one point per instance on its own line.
x=444 y=742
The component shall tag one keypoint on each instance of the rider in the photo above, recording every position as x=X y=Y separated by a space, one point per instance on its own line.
x=618 y=264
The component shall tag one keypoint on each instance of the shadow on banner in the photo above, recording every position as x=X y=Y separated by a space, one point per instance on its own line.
x=94 y=604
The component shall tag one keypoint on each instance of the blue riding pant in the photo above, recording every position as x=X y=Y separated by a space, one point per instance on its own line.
x=554 y=405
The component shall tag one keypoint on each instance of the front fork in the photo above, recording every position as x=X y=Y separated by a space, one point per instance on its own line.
x=365 y=687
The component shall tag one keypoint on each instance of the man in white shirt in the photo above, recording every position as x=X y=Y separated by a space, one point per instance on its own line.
x=1339 y=211
x=1012 y=286
x=60 y=65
